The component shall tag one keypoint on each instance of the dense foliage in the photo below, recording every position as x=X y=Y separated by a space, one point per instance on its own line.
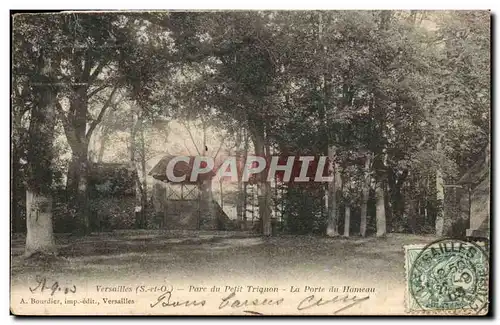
x=397 y=99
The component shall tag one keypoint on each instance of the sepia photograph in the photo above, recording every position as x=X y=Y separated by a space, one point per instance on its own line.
x=250 y=162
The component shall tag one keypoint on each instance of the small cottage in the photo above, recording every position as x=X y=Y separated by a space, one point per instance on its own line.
x=187 y=205
x=477 y=182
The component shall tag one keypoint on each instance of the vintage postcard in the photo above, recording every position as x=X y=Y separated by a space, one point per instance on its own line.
x=250 y=163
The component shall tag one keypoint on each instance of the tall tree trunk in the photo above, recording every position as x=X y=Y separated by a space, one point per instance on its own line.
x=144 y=187
x=388 y=209
x=102 y=147
x=269 y=191
x=139 y=208
x=239 y=201
x=244 y=193
x=412 y=216
x=365 y=195
x=390 y=203
x=208 y=205
x=410 y=209
x=75 y=127
x=39 y=231
x=380 y=164
x=244 y=207
x=380 y=209
x=265 y=206
x=78 y=172
x=77 y=188
x=397 y=199
x=263 y=186
x=332 y=220
x=39 y=235
x=380 y=151
x=346 y=187
x=439 y=197
x=18 y=191
x=347 y=224
x=440 y=200
x=332 y=186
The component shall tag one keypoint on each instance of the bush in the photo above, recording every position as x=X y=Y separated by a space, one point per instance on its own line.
x=303 y=209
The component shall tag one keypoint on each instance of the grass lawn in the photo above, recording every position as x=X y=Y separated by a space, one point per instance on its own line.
x=212 y=256
x=182 y=259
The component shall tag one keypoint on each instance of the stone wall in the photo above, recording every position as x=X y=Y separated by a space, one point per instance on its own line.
x=480 y=210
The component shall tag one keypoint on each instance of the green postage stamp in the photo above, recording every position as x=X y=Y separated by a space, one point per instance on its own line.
x=448 y=276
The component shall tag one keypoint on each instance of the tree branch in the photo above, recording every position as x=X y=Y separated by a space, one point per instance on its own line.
x=68 y=129
x=192 y=138
x=95 y=91
x=97 y=70
x=101 y=113
x=187 y=148
x=87 y=66
x=221 y=144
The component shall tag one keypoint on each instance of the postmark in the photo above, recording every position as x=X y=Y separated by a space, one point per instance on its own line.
x=448 y=276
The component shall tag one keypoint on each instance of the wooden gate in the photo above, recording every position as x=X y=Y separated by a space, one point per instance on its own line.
x=182 y=208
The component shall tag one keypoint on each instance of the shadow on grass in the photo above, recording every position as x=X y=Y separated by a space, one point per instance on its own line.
x=218 y=253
